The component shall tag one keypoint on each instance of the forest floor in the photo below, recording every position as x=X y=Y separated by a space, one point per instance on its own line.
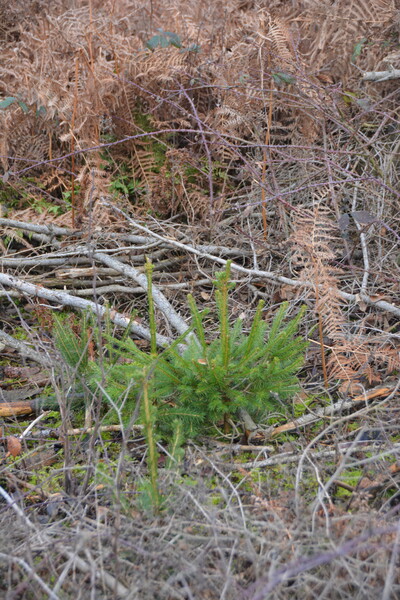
x=206 y=138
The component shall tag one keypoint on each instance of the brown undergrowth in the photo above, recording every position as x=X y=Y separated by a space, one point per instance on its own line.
x=197 y=132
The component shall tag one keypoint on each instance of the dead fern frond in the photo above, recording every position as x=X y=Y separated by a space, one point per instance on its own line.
x=280 y=37
x=330 y=32
x=313 y=238
x=350 y=355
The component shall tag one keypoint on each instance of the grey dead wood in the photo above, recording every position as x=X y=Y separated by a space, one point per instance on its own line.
x=65 y=299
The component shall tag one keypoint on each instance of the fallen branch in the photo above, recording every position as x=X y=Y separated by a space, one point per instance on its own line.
x=111 y=582
x=159 y=299
x=203 y=252
x=15 y=408
x=64 y=299
x=294 y=457
x=47 y=229
x=381 y=75
x=381 y=304
x=19 y=408
x=148 y=242
x=327 y=412
x=25 y=350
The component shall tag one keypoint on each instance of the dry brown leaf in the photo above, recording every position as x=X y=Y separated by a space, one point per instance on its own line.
x=14 y=447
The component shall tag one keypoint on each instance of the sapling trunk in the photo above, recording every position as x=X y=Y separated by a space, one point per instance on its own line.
x=149 y=421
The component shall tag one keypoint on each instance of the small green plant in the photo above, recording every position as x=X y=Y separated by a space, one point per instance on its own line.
x=126 y=184
x=73 y=345
x=207 y=383
x=164 y=39
x=210 y=382
x=196 y=384
x=67 y=197
x=41 y=205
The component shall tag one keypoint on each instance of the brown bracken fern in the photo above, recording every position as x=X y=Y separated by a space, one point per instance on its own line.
x=345 y=355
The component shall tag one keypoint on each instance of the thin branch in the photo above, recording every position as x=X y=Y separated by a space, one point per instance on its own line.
x=112 y=583
x=159 y=299
x=381 y=304
x=326 y=412
x=145 y=242
x=381 y=75
x=294 y=457
x=204 y=252
x=28 y=569
x=64 y=299
x=25 y=350
x=47 y=229
x=363 y=242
